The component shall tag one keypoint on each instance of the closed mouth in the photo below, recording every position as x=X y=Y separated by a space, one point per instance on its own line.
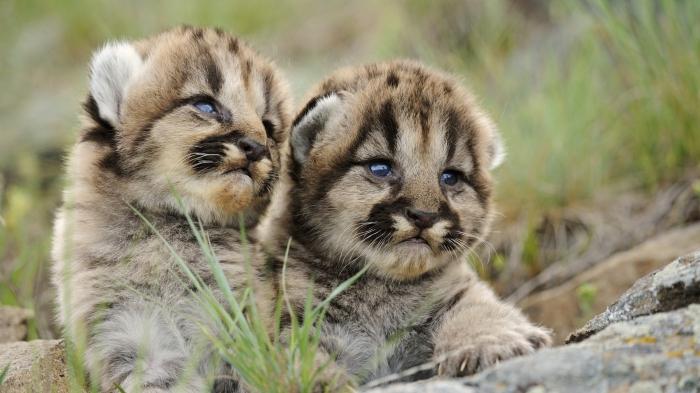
x=243 y=171
x=414 y=240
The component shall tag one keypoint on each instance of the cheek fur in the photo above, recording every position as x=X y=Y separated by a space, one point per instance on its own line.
x=349 y=203
x=470 y=215
x=355 y=194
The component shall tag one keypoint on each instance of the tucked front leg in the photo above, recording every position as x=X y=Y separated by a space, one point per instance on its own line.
x=332 y=377
x=480 y=330
x=140 y=347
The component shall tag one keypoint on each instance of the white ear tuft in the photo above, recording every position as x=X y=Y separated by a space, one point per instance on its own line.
x=311 y=121
x=497 y=151
x=111 y=69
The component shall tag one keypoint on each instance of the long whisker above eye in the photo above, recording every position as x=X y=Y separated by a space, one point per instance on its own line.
x=203 y=162
x=198 y=154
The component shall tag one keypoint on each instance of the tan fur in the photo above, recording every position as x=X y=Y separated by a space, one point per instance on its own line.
x=342 y=217
x=119 y=288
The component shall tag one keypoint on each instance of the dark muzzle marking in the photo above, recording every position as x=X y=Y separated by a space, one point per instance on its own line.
x=207 y=155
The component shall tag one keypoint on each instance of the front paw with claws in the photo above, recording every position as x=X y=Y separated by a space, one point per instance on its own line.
x=461 y=356
x=334 y=379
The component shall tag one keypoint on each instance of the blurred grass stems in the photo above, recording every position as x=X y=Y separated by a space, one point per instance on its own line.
x=3 y=373
x=655 y=46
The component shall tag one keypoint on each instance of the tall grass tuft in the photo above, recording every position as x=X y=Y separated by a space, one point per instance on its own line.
x=3 y=373
x=263 y=360
x=654 y=47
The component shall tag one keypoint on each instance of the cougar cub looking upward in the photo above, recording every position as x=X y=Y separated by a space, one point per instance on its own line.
x=190 y=113
x=389 y=169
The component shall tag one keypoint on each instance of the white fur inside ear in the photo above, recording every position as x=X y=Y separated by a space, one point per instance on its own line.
x=312 y=122
x=497 y=151
x=111 y=69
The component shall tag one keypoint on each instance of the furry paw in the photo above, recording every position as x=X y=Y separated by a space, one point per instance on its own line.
x=333 y=379
x=460 y=356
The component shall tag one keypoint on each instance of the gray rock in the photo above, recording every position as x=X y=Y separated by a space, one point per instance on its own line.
x=13 y=323
x=34 y=366
x=676 y=285
x=656 y=353
x=659 y=352
x=646 y=342
x=433 y=386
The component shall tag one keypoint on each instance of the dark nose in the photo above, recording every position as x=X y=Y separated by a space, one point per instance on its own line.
x=420 y=218
x=253 y=150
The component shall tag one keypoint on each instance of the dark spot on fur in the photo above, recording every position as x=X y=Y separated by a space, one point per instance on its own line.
x=392 y=80
x=423 y=115
x=269 y=128
x=268 y=184
x=272 y=265
x=208 y=154
x=212 y=72
x=389 y=125
x=268 y=79
x=452 y=127
x=245 y=72
x=233 y=45
x=379 y=226
x=101 y=136
x=446 y=88
x=226 y=385
x=197 y=33
x=110 y=163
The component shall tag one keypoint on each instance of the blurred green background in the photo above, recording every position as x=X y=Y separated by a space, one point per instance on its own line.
x=594 y=98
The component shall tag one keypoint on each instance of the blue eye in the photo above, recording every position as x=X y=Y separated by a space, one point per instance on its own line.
x=379 y=169
x=449 y=178
x=205 y=106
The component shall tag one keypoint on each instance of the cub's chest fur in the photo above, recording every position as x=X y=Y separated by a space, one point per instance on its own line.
x=378 y=327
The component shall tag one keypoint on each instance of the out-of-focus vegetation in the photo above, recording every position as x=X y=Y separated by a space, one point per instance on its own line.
x=592 y=97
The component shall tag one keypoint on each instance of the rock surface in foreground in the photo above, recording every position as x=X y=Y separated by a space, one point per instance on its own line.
x=656 y=353
x=659 y=352
x=35 y=366
x=646 y=342
x=13 y=324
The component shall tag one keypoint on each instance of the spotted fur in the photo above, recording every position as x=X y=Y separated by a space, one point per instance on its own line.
x=147 y=145
x=419 y=300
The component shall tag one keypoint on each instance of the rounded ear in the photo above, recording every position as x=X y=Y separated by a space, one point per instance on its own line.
x=111 y=69
x=310 y=121
x=496 y=150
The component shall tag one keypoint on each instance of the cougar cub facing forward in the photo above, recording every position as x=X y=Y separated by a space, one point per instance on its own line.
x=390 y=169
x=185 y=122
